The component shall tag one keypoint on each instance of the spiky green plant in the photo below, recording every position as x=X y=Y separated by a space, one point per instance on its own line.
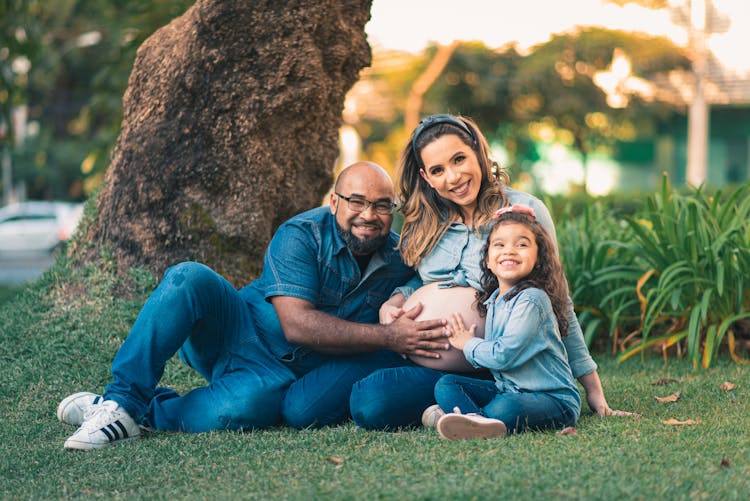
x=602 y=272
x=694 y=287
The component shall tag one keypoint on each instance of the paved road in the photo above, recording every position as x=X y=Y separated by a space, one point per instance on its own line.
x=17 y=269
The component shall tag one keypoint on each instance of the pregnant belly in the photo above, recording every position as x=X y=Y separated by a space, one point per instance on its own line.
x=441 y=303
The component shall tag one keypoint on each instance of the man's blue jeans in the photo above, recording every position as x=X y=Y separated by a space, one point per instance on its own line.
x=198 y=313
x=519 y=411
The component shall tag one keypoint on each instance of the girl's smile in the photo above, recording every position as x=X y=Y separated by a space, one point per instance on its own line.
x=512 y=253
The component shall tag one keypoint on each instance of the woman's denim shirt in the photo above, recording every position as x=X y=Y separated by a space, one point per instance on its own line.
x=523 y=349
x=307 y=259
x=456 y=259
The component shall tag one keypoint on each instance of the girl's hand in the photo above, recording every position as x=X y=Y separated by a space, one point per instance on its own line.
x=459 y=334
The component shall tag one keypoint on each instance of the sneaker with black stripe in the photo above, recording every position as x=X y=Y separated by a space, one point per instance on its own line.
x=104 y=424
x=72 y=409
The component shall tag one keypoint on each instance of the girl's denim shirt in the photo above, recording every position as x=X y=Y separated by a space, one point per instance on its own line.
x=523 y=348
x=455 y=262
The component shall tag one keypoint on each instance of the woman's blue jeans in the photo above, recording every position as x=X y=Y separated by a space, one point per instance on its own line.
x=196 y=312
x=519 y=411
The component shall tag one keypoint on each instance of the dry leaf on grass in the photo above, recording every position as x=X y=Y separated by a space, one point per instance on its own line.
x=663 y=381
x=676 y=422
x=568 y=431
x=727 y=386
x=674 y=397
x=725 y=462
x=334 y=460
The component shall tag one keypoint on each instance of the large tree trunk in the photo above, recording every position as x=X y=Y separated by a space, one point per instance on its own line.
x=230 y=127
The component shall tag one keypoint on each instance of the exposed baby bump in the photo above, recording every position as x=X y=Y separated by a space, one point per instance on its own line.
x=441 y=303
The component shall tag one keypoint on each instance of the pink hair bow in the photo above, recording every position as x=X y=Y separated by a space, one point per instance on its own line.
x=517 y=208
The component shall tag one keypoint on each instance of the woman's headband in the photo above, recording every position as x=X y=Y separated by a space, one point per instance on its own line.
x=432 y=121
x=515 y=208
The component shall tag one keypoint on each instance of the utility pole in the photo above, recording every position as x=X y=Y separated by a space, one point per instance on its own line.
x=698 y=112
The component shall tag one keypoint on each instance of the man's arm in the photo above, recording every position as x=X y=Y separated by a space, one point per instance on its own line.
x=303 y=324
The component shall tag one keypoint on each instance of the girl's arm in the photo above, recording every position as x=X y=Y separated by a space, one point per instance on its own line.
x=579 y=357
x=520 y=340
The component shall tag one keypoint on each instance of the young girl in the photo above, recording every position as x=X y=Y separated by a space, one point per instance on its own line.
x=524 y=296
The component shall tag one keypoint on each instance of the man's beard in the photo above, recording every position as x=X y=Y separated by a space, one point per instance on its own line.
x=359 y=246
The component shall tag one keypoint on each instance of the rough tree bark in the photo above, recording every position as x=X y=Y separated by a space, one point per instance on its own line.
x=230 y=127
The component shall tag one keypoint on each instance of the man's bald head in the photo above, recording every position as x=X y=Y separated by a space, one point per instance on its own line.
x=366 y=169
x=363 y=229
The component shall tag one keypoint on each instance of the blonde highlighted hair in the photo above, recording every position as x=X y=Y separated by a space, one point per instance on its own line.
x=427 y=215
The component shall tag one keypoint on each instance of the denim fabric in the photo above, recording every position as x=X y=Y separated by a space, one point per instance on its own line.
x=321 y=397
x=455 y=261
x=234 y=339
x=393 y=398
x=519 y=411
x=196 y=311
x=522 y=347
x=307 y=259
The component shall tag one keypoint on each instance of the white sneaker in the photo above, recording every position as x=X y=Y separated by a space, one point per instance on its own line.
x=431 y=415
x=104 y=424
x=462 y=426
x=73 y=407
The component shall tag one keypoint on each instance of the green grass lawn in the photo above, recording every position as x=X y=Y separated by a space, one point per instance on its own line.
x=59 y=336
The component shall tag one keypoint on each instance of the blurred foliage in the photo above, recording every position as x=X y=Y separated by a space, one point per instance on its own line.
x=80 y=54
x=519 y=100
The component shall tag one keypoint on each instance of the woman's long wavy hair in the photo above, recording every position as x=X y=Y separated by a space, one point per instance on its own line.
x=427 y=215
x=547 y=273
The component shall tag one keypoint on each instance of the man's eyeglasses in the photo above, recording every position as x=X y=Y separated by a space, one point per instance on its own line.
x=357 y=204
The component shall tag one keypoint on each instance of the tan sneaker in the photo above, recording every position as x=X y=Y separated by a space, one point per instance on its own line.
x=462 y=426
x=431 y=415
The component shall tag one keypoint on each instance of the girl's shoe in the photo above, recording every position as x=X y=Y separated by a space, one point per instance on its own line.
x=431 y=415
x=462 y=426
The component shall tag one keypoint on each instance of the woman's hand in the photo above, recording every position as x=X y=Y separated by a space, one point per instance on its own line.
x=391 y=309
x=459 y=334
x=596 y=399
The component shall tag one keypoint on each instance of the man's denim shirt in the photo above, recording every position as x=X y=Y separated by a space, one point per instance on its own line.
x=523 y=349
x=456 y=259
x=307 y=259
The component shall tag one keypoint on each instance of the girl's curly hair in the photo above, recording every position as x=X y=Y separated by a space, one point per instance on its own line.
x=547 y=273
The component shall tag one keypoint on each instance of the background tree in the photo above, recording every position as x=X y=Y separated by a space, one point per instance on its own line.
x=229 y=127
x=554 y=88
x=73 y=91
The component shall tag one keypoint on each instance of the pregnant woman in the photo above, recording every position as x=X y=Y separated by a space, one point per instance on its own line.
x=449 y=189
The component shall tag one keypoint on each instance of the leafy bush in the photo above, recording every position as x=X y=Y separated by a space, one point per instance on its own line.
x=602 y=271
x=696 y=251
x=671 y=274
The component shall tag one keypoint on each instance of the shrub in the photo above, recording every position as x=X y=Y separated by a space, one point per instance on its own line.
x=696 y=251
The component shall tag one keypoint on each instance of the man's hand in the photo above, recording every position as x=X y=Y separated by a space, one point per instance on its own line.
x=425 y=338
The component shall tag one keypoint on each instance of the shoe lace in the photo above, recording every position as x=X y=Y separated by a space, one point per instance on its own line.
x=100 y=414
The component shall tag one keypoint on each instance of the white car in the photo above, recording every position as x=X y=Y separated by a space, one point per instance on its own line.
x=37 y=226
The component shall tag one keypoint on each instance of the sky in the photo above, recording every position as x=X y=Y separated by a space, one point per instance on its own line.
x=412 y=24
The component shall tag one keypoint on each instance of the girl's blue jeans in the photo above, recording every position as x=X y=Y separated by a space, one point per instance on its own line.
x=519 y=411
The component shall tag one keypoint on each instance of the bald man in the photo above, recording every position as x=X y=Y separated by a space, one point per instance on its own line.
x=326 y=273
